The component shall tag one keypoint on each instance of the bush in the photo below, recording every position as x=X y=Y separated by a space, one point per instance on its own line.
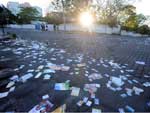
x=144 y=29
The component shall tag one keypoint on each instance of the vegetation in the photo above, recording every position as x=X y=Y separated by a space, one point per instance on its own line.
x=27 y=15
x=110 y=12
x=6 y=17
x=54 y=18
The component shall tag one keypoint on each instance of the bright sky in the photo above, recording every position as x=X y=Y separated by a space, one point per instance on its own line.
x=143 y=6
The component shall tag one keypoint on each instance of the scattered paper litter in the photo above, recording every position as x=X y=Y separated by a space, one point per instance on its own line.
x=53 y=59
x=121 y=110
x=45 y=97
x=114 y=65
x=117 y=81
x=80 y=103
x=123 y=95
x=48 y=71
x=12 y=89
x=26 y=77
x=6 y=49
x=4 y=94
x=129 y=91
x=93 y=95
x=138 y=90
x=106 y=75
x=81 y=65
x=85 y=99
x=35 y=46
x=30 y=70
x=40 y=67
x=42 y=107
x=75 y=91
x=89 y=103
x=15 y=78
x=140 y=62
x=22 y=66
x=91 y=88
x=148 y=104
x=129 y=108
x=10 y=84
x=146 y=84
x=38 y=75
x=61 y=86
x=130 y=70
x=94 y=110
x=95 y=76
x=47 y=77
x=96 y=101
x=55 y=67
x=65 y=68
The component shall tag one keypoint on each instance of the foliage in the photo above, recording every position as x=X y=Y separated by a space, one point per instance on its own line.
x=144 y=29
x=6 y=17
x=127 y=11
x=27 y=15
x=54 y=18
x=108 y=11
x=133 y=22
x=70 y=8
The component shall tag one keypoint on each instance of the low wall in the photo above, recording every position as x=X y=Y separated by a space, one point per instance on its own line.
x=74 y=27
x=125 y=33
x=26 y=26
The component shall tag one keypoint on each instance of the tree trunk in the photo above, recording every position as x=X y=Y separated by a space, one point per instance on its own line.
x=64 y=19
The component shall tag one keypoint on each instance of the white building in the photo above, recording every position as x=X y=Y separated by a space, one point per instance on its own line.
x=25 y=4
x=14 y=7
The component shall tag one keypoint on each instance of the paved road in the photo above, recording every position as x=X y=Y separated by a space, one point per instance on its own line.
x=96 y=50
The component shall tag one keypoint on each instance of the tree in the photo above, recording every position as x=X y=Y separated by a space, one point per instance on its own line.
x=54 y=18
x=70 y=8
x=144 y=29
x=127 y=11
x=27 y=15
x=108 y=11
x=62 y=6
x=133 y=22
x=6 y=17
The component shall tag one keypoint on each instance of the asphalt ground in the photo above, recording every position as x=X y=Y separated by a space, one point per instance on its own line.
x=92 y=49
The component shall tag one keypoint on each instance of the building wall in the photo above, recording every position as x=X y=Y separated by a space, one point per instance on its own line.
x=15 y=7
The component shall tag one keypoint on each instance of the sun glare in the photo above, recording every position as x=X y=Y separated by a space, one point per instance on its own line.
x=86 y=19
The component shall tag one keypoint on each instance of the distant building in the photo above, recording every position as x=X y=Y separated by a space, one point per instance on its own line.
x=39 y=10
x=14 y=7
x=25 y=4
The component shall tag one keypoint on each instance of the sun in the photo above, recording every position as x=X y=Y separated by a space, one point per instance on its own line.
x=86 y=19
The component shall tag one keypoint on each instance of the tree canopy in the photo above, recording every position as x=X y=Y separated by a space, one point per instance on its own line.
x=6 y=17
x=27 y=14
